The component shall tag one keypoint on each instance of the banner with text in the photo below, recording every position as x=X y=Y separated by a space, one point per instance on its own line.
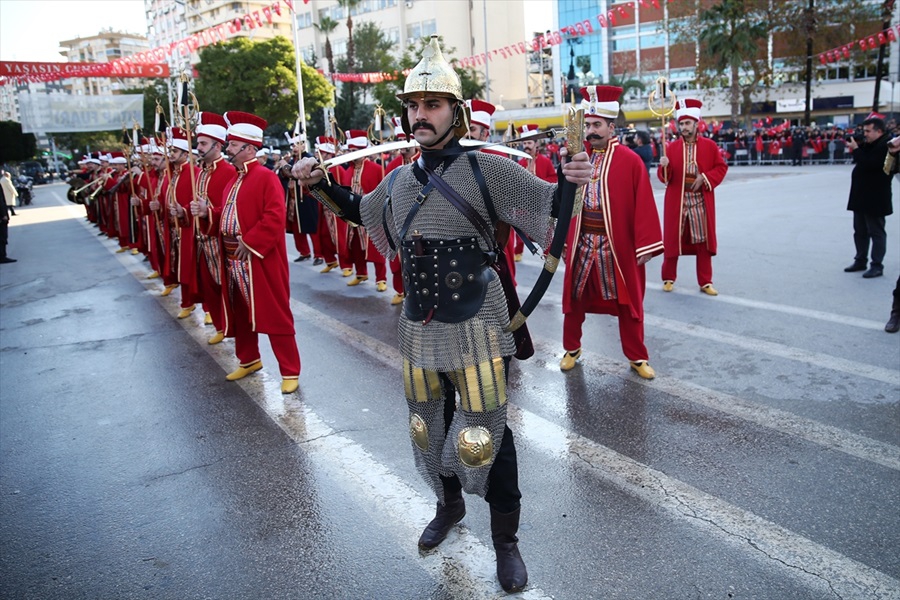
x=49 y=113
x=47 y=71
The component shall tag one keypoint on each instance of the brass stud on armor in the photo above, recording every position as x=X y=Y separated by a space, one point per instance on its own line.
x=418 y=431
x=455 y=296
x=475 y=446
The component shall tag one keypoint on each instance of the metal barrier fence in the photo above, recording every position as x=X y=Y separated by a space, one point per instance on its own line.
x=834 y=152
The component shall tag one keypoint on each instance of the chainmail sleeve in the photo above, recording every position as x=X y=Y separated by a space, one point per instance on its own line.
x=519 y=198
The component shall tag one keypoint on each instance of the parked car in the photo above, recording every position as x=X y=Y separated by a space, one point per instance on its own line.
x=35 y=170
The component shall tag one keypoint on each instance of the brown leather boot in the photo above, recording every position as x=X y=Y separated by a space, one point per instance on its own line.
x=447 y=515
x=510 y=567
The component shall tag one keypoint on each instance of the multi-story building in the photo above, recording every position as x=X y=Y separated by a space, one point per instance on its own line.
x=166 y=24
x=469 y=27
x=640 y=43
x=106 y=46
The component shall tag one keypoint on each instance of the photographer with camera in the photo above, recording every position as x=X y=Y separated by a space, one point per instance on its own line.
x=870 y=197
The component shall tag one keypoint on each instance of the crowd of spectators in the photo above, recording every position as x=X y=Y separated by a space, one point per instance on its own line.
x=766 y=144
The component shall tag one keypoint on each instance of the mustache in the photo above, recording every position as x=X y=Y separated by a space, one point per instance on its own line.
x=422 y=125
x=593 y=136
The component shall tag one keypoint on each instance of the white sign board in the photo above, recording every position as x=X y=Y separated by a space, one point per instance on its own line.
x=62 y=113
x=790 y=105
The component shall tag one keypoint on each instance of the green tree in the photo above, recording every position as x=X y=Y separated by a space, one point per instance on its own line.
x=733 y=39
x=350 y=6
x=627 y=84
x=16 y=145
x=326 y=26
x=257 y=77
x=82 y=142
x=733 y=36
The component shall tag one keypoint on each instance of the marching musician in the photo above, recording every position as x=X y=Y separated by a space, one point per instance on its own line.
x=215 y=174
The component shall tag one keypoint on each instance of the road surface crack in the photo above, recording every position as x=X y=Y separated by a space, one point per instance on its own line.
x=183 y=471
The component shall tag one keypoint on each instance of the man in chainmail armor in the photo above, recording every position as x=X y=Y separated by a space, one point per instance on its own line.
x=438 y=214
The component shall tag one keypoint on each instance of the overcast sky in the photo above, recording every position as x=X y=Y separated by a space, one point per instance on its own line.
x=30 y=30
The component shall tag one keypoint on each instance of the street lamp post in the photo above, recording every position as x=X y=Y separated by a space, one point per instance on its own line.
x=571 y=77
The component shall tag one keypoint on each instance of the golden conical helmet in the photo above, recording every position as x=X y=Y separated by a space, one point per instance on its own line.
x=433 y=75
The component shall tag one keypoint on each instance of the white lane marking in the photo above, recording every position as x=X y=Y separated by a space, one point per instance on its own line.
x=816 y=565
x=782 y=308
x=463 y=564
x=816 y=359
x=812 y=563
x=833 y=438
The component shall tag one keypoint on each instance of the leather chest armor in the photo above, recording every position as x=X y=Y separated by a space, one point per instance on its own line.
x=445 y=280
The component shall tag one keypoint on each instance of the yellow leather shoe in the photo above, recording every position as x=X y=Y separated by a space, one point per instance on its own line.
x=642 y=368
x=207 y=319
x=186 y=312
x=168 y=289
x=709 y=290
x=242 y=372
x=347 y=272
x=518 y=258
x=357 y=280
x=216 y=338
x=153 y=275
x=121 y=250
x=381 y=286
x=569 y=359
x=328 y=267
x=397 y=299
x=135 y=251
x=289 y=386
x=668 y=286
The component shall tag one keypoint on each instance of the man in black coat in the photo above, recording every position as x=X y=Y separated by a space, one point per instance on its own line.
x=4 y=230
x=870 y=197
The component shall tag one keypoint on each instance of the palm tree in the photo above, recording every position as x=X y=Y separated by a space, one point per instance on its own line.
x=628 y=84
x=327 y=25
x=731 y=35
x=350 y=5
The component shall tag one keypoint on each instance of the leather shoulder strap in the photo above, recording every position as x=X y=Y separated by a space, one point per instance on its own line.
x=464 y=207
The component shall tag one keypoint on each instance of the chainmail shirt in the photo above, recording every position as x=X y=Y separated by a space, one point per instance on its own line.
x=519 y=198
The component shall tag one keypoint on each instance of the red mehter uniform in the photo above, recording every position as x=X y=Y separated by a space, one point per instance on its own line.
x=212 y=184
x=682 y=207
x=256 y=292
x=618 y=225
x=181 y=191
x=362 y=181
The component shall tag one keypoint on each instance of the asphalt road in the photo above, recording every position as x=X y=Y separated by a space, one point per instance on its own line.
x=763 y=462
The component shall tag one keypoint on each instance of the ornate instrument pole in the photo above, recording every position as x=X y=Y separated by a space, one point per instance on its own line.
x=661 y=102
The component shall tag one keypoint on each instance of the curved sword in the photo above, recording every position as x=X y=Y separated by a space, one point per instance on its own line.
x=473 y=144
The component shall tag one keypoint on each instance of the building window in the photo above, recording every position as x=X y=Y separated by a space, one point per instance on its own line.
x=304 y=20
x=393 y=34
x=429 y=28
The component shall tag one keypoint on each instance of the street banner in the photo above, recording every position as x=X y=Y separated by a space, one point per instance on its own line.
x=62 y=113
x=50 y=71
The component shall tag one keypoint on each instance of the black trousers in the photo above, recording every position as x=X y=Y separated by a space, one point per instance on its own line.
x=4 y=234
x=503 y=480
x=866 y=227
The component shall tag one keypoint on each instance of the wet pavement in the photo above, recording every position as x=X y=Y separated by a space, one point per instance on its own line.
x=763 y=462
